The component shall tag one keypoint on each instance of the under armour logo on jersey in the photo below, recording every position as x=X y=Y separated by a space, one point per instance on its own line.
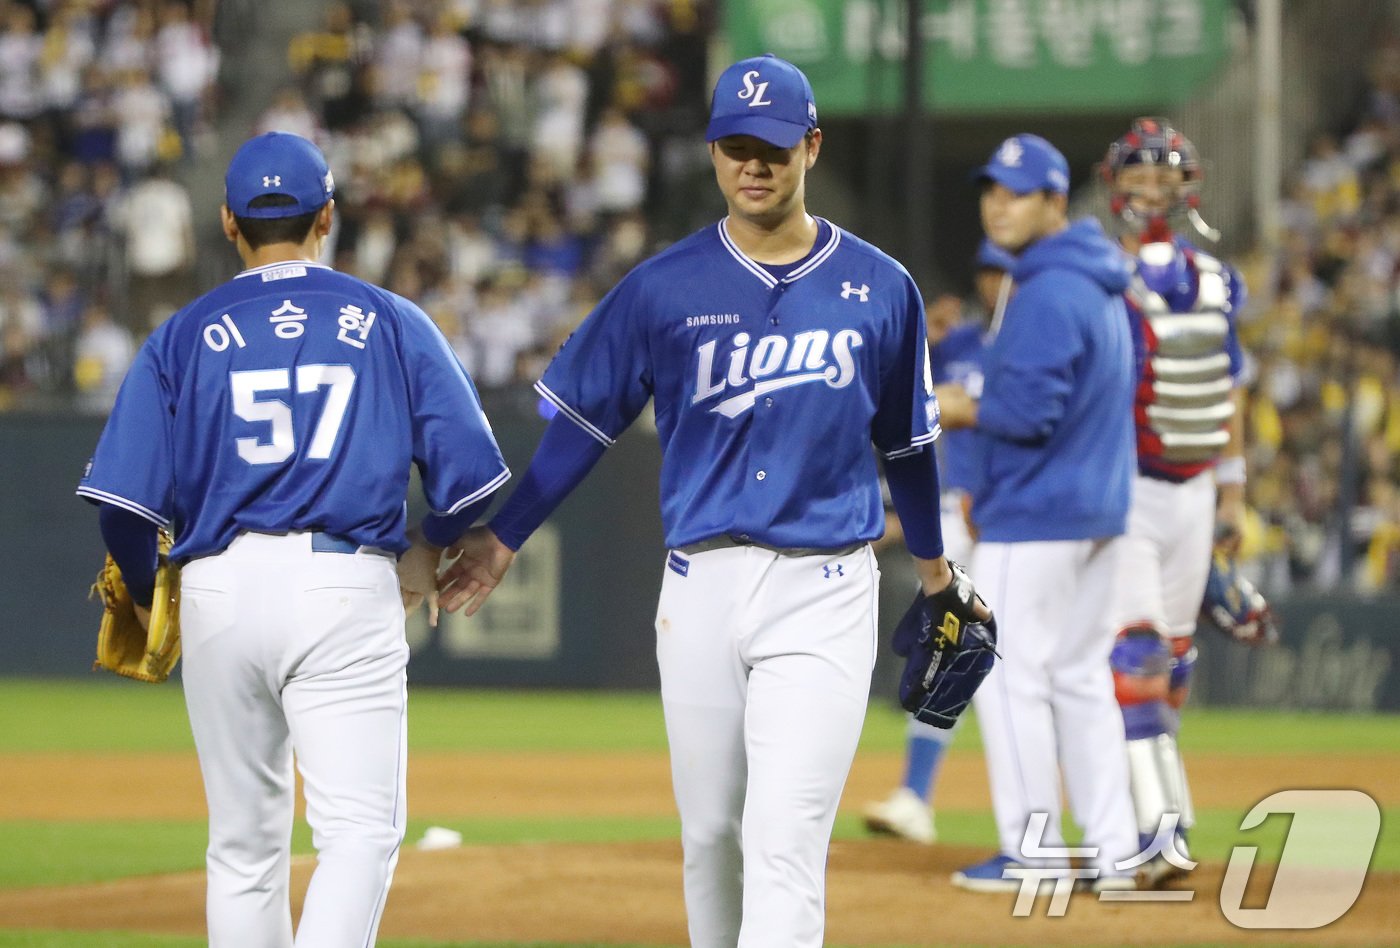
x=272 y=181
x=847 y=291
x=1010 y=153
x=753 y=92
x=830 y=571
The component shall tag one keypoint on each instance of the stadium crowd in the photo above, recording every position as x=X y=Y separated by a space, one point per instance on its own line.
x=97 y=101
x=503 y=163
x=1325 y=411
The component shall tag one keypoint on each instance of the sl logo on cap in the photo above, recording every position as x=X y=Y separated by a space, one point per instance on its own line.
x=755 y=93
x=1010 y=153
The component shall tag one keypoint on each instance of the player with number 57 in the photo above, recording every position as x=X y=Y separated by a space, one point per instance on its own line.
x=270 y=425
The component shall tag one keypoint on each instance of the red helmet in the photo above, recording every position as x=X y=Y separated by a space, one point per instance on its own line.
x=1153 y=141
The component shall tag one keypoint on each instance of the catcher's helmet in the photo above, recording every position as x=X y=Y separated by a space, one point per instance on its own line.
x=1153 y=141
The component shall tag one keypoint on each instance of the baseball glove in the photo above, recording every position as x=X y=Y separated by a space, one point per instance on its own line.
x=1234 y=606
x=122 y=645
x=947 y=651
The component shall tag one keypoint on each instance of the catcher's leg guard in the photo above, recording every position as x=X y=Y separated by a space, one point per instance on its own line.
x=1142 y=668
x=1152 y=679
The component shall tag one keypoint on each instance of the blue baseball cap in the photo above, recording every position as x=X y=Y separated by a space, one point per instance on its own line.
x=766 y=97
x=991 y=257
x=278 y=163
x=1026 y=163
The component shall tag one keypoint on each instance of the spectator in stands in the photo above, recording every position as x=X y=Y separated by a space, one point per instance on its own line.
x=63 y=303
x=102 y=354
x=398 y=53
x=620 y=158
x=290 y=113
x=23 y=191
x=560 y=98
x=444 y=82
x=68 y=49
x=145 y=115
x=157 y=222
x=21 y=46
x=330 y=64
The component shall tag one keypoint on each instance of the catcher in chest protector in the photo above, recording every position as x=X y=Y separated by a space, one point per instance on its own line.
x=1188 y=499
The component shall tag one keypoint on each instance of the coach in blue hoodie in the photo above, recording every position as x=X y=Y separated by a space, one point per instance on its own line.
x=1054 y=461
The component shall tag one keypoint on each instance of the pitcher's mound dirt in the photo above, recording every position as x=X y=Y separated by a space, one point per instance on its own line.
x=879 y=893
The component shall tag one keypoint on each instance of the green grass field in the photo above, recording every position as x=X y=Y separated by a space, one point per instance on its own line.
x=108 y=716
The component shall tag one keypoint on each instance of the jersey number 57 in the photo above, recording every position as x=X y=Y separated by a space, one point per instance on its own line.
x=246 y=386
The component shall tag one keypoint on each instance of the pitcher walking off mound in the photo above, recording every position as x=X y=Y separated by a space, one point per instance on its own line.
x=777 y=347
x=271 y=425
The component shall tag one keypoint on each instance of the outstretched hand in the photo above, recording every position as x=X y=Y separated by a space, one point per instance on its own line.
x=482 y=562
x=418 y=576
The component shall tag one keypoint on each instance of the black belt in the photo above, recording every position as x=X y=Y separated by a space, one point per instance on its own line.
x=727 y=541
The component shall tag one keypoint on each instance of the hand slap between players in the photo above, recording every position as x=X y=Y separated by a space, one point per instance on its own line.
x=418 y=573
x=482 y=562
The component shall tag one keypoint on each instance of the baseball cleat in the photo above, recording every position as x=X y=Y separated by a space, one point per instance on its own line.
x=904 y=815
x=1157 y=873
x=988 y=876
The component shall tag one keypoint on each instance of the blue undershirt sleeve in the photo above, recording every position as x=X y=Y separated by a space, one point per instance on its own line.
x=131 y=538
x=914 y=489
x=565 y=456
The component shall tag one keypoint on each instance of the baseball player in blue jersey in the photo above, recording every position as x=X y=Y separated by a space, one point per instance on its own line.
x=271 y=425
x=955 y=357
x=1183 y=303
x=1051 y=474
x=777 y=348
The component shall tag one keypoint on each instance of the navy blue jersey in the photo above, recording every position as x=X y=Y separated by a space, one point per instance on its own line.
x=768 y=390
x=293 y=398
x=957 y=357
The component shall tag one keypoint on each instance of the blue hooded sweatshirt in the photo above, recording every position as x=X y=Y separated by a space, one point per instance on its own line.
x=1054 y=453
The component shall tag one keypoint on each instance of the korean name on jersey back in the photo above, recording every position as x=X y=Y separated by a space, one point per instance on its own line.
x=294 y=398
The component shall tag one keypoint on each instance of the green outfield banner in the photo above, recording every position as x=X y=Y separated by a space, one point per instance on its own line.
x=993 y=55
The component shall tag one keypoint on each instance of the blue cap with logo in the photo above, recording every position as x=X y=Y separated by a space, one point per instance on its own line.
x=1026 y=163
x=278 y=163
x=766 y=97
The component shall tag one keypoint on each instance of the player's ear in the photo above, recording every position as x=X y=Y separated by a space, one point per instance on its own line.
x=324 y=218
x=813 y=141
x=229 y=223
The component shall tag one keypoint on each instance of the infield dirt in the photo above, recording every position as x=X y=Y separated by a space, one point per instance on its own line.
x=880 y=892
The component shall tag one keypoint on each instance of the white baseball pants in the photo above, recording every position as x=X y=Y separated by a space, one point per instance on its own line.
x=1048 y=704
x=289 y=649
x=1166 y=553
x=765 y=666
